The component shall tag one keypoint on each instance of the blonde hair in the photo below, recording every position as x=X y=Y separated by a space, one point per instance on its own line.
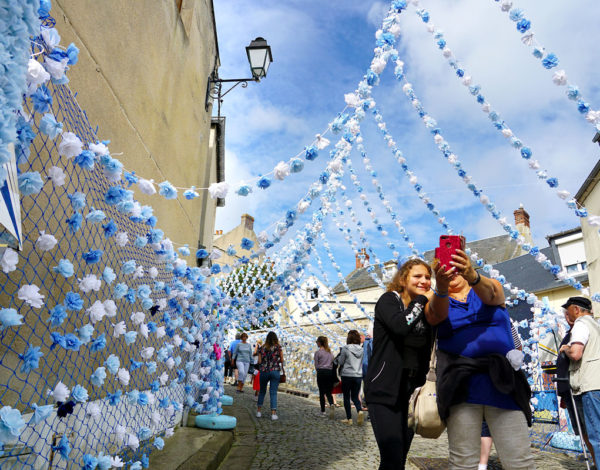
x=399 y=280
x=324 y=342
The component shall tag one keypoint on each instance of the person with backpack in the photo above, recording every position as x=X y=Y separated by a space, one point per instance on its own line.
x=324 y=367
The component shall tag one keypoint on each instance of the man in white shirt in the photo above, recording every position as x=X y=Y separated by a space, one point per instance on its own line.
x=583 y=351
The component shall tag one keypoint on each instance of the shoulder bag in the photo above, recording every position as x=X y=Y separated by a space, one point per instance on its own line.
x=282 y=377
x=423 y=415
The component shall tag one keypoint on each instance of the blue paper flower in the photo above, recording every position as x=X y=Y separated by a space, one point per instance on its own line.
x=145 y=461
x=190 y=193
x=167 y=190
x=112 y=167
x=65 y=268
x=550 y=61
x=73 y=302
x=583 y=107
x=77 y=201
x=159 y=443
x=296 y=165
x=44 y=9
x=150 y=367
x=112 y=364
x=98 y=344
x=92 y=256
x=523 y=25
x=155 y=235
x=130 y=296
x=79 y=394
x=143 y=291
x=95 y=215
x=132 y=396
x=215 y=269
x=137 y=465
x=130 y=337
x=552 y=182
x=201 y=253
x=85 y=333
x=120 y=291
x=114 y=195
x=104 y=462
x=85 y=160
x=515 y=14
x=131 y=178
x=41 y=413
x=74 y=222
x=63 y=447
x=42 y=99
x=71 y=342
x=30 y=183
x=57 y=316
x=311 y=153
x=244 y=190
x=49 y=126
x=144 y=433
x=263 y=182
x=98 y=377
x=89 y=462
x=246 y=244
x=9 y=317
x=108 y=275
x=72 y=54
x=110 y=229
x=11 y=424
x=31 y=359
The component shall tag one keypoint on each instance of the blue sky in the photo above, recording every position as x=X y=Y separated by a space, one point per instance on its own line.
x=321 y=50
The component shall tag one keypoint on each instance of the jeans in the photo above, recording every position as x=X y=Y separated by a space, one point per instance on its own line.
x=508 y=429
x=325 y=384
x=351 y=388
x=272 y=377
x=591 y=412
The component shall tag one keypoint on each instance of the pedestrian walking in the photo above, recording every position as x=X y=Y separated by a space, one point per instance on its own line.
x=256 y=373
x=324 y=367
x=270 y=365
x=350 y=370
x=232 y=347
x=478 y=372
x=242 y=357
x=399 y=362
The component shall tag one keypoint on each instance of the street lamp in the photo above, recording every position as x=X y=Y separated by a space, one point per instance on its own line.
x=259 y=57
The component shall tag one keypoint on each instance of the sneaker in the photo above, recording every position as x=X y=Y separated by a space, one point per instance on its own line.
x=274 y=417
x=258 y=415
x=360 y=419
x=323 y=414
x=331 y=412
x=347 y=421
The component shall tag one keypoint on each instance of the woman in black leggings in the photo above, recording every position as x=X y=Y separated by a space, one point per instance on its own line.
x=402 y=337
x=324 y=367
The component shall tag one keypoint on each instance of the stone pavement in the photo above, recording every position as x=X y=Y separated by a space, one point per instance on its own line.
x=303 y=440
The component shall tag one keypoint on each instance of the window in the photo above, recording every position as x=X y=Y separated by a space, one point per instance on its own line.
x=584 y=265
x=314 y=293
x=572 y=268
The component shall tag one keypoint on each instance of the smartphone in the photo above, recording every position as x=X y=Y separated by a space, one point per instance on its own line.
x=448 y=246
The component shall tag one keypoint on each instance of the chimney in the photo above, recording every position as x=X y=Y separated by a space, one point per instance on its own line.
x=248 y=221
x=361 y=256
x=522 y=223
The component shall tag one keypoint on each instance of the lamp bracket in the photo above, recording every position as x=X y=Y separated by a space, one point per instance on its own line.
x=214 y=89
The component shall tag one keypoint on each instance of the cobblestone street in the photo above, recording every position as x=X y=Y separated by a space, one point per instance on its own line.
x=303 y=440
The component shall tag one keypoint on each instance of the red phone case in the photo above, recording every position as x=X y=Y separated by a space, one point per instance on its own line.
x=448 y=246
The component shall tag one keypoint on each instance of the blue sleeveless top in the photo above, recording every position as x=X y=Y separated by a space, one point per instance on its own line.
x=474 y=329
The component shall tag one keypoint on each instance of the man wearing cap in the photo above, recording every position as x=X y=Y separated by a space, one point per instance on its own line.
x=583 y=350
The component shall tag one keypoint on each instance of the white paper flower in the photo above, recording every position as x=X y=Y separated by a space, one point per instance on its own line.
x=132 y=441
x=155 y=418
x=164 y=377
x=56 y=68
x=138 y=273
x=36 y=74
x=137 y=317
x=302 y=206
x=96 y=312
x=120 y=432
x=56 y=175
x=30 y=293
x=160 y=332
x=147 y=353
x=534 y=164
x=119 y=329
x=563 y=194
x=169 y=432
x=90 y=283
x=162 y=303
x=378 y=64
x=9 y=261
x=321 y=142
x=560 y=78
x=170 y=363
x=60 y=392
x=110 y=308
x=116 y=462
x=218 y=190
x=147 y=186
x=50 y=37
x=122 y=238
x=92 y=410
x=352 y=100
x=123 y=376
x=143 y=330
x=527 y=39
x=281 y=170
x=70 y=145
x=153 y=272
x=99 y=149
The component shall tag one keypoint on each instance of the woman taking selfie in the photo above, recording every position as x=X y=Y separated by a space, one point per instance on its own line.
x=399 y=363
x=478 y=374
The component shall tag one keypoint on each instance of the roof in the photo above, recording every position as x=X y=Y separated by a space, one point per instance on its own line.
x=589 y=184
x=564 y=233
x=526 y=273
x=358 y=279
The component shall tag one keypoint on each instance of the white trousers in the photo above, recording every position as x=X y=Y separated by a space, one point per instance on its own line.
x=507 y=427
x=242 y=370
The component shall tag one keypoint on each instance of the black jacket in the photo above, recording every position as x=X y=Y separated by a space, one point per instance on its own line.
x=454 y=372
x=392 y=324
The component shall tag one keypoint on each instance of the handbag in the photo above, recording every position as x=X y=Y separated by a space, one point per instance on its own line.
x=423 y=415
x=282 y=377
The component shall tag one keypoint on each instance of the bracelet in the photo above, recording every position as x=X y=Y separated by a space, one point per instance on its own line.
x=441 y=296
x=477 y=279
